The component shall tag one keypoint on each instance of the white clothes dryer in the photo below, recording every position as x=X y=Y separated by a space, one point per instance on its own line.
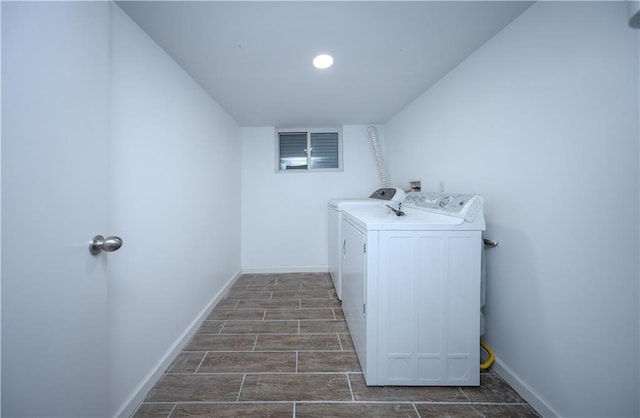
x=393 y=195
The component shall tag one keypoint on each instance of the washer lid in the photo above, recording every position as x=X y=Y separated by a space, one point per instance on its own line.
x=341 y=204
x=394 y=194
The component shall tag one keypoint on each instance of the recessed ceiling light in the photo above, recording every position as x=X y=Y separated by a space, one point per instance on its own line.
x=323 y=61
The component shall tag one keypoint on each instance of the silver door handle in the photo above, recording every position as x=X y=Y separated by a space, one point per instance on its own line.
x=100 y=243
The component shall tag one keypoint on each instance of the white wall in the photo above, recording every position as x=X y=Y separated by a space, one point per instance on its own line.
x=638 y=127
x=542 y=121
x=0 y=218
x=175 y=159
x=284 y=215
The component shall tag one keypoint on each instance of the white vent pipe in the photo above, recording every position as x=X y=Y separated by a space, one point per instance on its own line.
x=382 y=169
x=634 y=13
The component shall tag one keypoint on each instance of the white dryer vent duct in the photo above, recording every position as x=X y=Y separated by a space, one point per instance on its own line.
x=633 y=7
x=382 y=169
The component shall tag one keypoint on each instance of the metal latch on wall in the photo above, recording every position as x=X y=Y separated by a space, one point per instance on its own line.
x=489 y=243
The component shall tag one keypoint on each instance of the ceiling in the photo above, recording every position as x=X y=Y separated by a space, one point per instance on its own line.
x=254 y=58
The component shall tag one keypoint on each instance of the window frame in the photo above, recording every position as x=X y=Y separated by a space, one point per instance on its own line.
x=308 y=132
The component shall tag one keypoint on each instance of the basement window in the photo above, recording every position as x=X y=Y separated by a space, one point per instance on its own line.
x=309 y=150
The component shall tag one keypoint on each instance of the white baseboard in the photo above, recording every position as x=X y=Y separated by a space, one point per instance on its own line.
x=524 y=390
x=287 y=269
x=138 y=395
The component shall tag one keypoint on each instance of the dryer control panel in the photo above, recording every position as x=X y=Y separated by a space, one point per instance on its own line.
x=394 y=194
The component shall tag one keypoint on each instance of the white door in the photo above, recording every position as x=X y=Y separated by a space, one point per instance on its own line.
x=54 y=199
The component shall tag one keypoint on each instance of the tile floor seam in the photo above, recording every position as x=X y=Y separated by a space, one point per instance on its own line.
x=222 y=327
x=497 y=403
x=241 y=386
x=269 y=320
x=357 y=402
x=455 y=403
x=477 y=412
x=413 y=404
x=226 y=402
x=175 y=405
x=205 y=374
x=465 y=394
x=314 y=373
x=258 y=351
x=201 y=361
x=390 y=402
x=353 y=398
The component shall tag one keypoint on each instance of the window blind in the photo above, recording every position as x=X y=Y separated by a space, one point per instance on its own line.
x=324 y=149
x=293 y=154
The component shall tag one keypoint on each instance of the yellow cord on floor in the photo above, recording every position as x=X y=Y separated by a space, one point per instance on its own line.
x=492 y=357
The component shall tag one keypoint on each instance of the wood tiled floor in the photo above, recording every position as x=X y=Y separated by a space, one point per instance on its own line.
x=278 y=346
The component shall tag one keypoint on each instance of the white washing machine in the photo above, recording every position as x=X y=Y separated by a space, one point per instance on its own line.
x=411 y=289
x=336 y=207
